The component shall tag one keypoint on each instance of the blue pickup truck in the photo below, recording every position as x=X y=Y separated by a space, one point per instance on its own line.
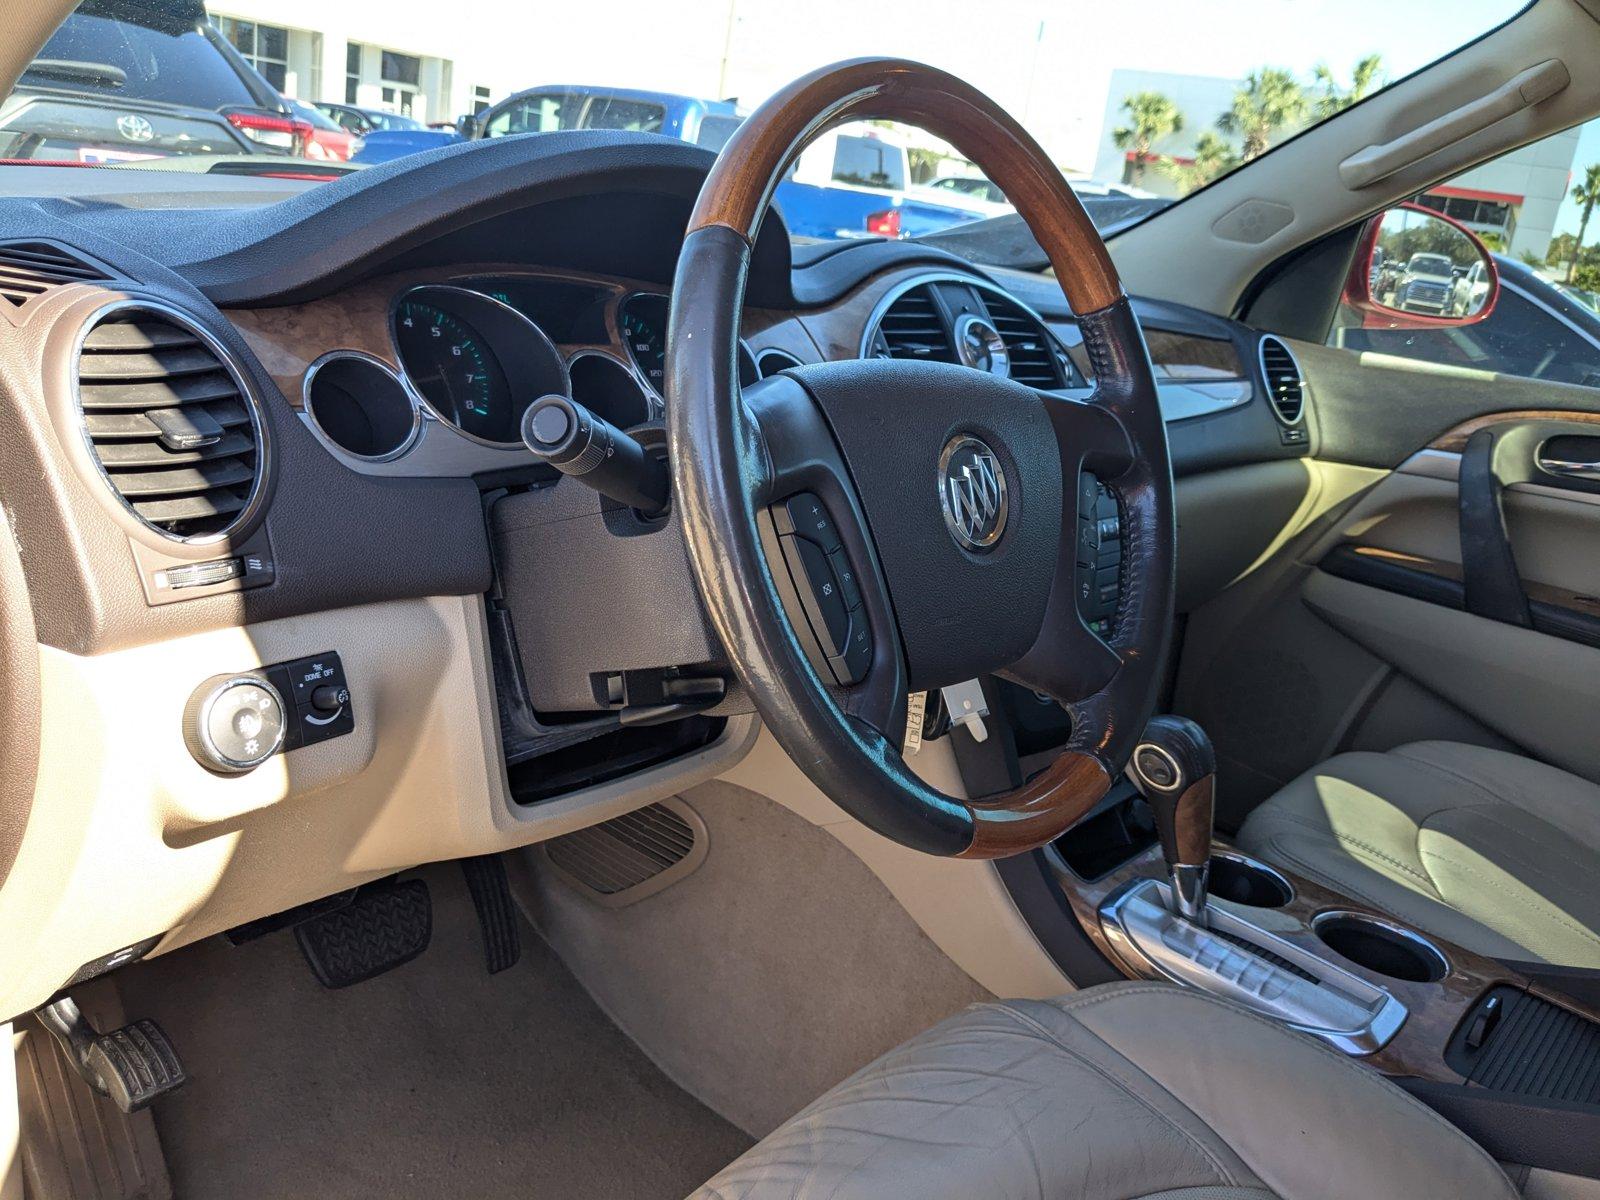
x=849 y=183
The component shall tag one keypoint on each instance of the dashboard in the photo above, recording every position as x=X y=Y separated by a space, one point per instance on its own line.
x=263 y=471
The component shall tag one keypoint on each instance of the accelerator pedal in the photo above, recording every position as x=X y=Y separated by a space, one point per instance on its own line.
x=497 y=913
x=132 y=1066
x=386 y=925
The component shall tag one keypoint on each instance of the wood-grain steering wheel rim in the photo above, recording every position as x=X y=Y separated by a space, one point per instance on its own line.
x=717 y=464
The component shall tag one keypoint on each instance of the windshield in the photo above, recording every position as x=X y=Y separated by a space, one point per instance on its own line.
x=1139 y=103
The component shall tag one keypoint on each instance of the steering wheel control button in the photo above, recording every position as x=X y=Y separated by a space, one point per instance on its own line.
x=1099 y=574
x=846 y=575
x=807 y=516
x=234 y=723
x=822 y=596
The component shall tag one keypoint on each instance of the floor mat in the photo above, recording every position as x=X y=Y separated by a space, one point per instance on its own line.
x=434 y=1080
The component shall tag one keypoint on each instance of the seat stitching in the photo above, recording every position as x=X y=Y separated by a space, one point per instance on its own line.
x=1541 y=854
x=1475 y=784
x=1547 y=913
x=1345 y=839
x=1024 y=1019
x=1342 y=886
x=1388 y=1090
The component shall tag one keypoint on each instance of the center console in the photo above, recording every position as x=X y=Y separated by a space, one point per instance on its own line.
x=1509 y=1052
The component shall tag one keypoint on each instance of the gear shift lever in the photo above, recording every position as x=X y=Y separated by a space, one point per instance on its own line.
x=1174 y=766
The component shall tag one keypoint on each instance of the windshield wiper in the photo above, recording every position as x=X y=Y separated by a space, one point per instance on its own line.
x=67 y=71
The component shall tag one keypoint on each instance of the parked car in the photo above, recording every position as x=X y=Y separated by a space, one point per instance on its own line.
x=848 y=183
x=363 y=121
x=120 y=83
x=1425 y=283
x=563 y=106
x=327 y=141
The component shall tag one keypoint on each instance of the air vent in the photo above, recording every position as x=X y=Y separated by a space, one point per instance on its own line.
x=29 y=269
x=913 y=328
x=632 y=856
x=1032 y=353
x=1285 y=385
x=169 y=422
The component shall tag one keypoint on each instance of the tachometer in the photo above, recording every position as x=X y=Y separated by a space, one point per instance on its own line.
x=476 y=361
x=455 y=370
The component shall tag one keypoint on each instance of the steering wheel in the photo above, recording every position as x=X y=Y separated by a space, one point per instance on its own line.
x=953 y=494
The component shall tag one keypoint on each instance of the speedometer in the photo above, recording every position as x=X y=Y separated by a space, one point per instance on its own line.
x=643 y=320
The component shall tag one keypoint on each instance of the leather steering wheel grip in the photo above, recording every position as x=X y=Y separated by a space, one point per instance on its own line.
x=719 y=469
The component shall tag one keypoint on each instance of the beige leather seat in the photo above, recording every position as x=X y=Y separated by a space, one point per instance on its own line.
x=1129 y=1090
x=1497 y=853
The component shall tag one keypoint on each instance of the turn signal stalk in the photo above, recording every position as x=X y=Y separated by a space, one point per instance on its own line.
x=589 y=448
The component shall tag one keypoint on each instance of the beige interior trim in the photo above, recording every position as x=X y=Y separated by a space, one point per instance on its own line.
x=960 y=904
x=1539 y=691
x=129 y=838
x=1533 y=86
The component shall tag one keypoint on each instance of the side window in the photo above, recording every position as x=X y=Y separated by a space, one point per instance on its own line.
x=869 y=162
x=516 y=117
x=1531 y=209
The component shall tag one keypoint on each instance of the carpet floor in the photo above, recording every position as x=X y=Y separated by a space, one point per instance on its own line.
x=434 y=1080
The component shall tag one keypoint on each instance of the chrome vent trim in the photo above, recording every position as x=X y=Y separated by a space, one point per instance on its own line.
x=771 y=361
x=1033 y=355
x=913 y=328
x=169 y=421
x=30 y=269
x=1286 y=385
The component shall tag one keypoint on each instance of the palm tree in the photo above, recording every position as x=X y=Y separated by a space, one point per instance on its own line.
x=1268 y=100
x=1586 y=194
x=1151 y=116
x=1213 y=157
x=1366 y=77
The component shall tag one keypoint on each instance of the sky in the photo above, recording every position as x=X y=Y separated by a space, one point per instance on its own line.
x=1047 y=61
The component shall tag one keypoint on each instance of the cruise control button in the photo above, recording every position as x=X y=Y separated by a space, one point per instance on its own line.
x=846 y=575
x=807 y=516
x=851 y=666
x=821 y=595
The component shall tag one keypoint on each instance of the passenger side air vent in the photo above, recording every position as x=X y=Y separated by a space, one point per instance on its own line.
x=29 y=269
x=913 y=328
x=169 y=422
x=1285 y=384
x=632 y=856
x=1032 y=353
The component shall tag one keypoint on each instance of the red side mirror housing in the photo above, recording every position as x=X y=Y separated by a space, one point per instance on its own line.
x=1415 y=268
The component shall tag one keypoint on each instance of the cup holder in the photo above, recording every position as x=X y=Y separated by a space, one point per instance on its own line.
x=1246 y=881
x=1379 y=946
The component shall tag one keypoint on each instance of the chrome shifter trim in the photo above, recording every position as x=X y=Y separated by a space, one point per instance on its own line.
x=1189 y=891
x=1342 y=1009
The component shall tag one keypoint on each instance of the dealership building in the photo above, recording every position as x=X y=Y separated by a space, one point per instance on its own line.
x=1515 y=197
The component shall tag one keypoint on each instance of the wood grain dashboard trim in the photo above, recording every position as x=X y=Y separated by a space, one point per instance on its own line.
x=289 y=338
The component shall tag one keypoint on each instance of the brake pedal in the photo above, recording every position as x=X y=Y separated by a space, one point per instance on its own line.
x=386 y=925
x=133 y=1066
x=497 y=912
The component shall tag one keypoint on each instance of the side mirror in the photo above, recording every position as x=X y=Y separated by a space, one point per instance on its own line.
x=1417 y=269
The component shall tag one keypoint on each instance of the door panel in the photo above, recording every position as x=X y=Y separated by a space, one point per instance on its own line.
x=1360 y=633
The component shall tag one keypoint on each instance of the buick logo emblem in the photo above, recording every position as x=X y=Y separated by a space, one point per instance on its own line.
x=972 y=492
x=135 y=128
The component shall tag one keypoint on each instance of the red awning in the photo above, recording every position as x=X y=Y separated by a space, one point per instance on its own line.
x=1460 y=193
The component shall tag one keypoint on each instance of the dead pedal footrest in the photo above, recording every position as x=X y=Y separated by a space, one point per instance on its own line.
x=386 y=925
